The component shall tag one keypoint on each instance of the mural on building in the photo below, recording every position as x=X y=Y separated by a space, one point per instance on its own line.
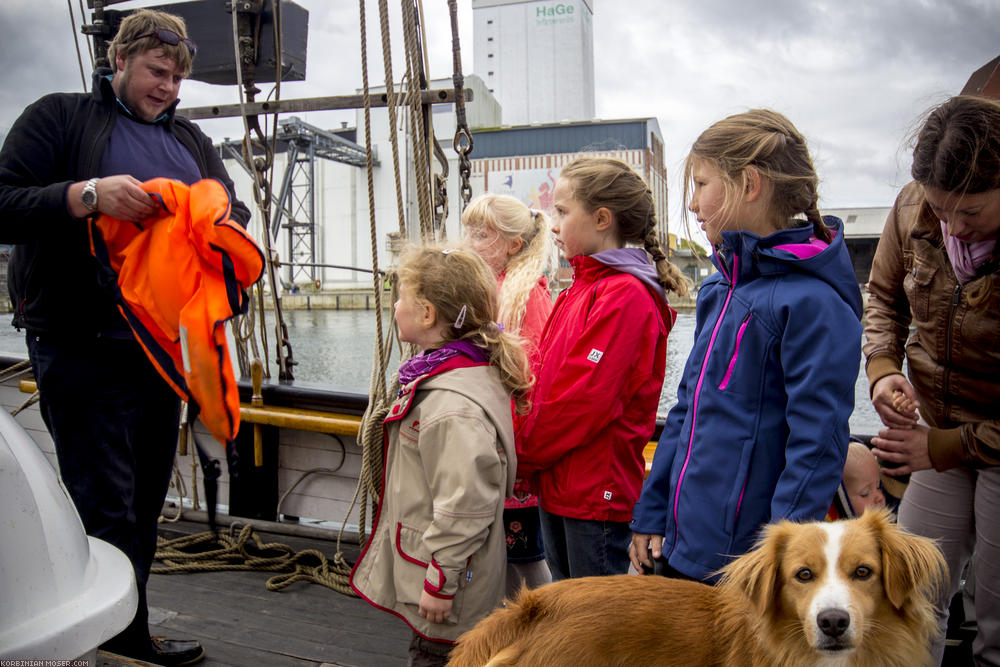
x=532 y=186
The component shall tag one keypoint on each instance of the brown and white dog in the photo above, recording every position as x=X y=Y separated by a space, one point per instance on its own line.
x=854 y=592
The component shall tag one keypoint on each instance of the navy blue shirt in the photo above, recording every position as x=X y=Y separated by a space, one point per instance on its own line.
x=147 y=150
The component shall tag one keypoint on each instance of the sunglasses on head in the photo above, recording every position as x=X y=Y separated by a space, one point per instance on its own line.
x=167 y=37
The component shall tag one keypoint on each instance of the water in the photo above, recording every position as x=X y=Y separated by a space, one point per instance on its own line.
x=335 y=348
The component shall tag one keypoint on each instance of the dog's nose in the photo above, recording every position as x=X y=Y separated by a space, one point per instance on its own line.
x=833 y=622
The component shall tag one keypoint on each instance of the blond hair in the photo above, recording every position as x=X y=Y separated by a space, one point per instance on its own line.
x=599 y=182
x=463 y=291
x=146 y=21
x=512 y=219
x=767 y=141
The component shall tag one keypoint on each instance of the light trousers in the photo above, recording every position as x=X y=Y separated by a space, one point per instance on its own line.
x=960 y=508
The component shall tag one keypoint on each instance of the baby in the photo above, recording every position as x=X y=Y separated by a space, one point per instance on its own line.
x=862 y=479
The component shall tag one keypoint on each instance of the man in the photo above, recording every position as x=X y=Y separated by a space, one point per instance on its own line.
x=113 y=419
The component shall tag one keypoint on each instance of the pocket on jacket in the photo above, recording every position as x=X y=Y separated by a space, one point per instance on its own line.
x=735 y=353
x=917 y=285
x=410 y=571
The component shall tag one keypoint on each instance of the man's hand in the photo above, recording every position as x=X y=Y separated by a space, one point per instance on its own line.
x=435 y=610
x=119 y=196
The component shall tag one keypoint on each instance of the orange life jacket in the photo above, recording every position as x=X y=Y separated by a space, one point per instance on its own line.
x=181 y=275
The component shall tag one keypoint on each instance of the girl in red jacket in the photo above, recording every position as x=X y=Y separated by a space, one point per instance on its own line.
x=515 y=242
x=603 y=354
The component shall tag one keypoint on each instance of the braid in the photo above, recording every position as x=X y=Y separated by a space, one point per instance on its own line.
x=667 y=273
x=820 y=229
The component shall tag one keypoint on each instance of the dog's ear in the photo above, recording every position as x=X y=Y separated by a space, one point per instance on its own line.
x=755 y=573
x=911 y=565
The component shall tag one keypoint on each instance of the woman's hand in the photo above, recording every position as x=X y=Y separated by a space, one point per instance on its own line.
x=905 y=446
x=435 y=610
x=895 y=401
x=638 y=551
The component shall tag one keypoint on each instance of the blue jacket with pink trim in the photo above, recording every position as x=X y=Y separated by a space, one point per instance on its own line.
x=760 y=429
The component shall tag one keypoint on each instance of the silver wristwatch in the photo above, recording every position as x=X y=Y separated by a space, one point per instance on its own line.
x=89 y=195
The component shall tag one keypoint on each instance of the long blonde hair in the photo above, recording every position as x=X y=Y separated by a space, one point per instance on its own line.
x=606 y=183
x=511 y=219
x=767 y=141
x=453 y=279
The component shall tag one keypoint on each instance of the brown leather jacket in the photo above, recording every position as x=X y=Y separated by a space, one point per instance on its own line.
x=953 y=353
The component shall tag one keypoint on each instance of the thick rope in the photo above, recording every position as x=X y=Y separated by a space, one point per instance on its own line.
x=390 y=91
x=415 y=84
x=204 y=552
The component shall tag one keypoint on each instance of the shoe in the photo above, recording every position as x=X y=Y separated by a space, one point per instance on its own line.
x=176 y=652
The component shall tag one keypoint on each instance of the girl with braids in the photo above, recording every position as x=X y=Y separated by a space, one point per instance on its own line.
x=603 y=355
x=760 y=429
x=937 y=268
x=515 y=242
x=436 y=549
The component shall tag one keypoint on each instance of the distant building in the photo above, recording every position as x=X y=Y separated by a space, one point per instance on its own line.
x=536 y=57
x=525 y=161
x=862 y=230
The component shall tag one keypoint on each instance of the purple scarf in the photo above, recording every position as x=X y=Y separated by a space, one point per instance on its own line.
x=966 y=257
x=427 y=361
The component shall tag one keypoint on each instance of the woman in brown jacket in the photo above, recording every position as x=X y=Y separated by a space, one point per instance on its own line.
x=937 y=267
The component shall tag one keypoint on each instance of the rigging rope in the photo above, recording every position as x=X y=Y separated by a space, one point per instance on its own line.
x=76 y=42
x=463 y=137
x=416 y=82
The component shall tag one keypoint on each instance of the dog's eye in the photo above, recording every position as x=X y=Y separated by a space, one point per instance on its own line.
x=862 y=572
x=805 y=574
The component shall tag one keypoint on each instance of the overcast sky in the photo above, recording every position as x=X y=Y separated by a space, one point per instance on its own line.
x=853 y=75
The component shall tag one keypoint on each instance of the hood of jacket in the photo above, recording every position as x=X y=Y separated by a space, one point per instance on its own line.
x=633 y=261
x=789 y=251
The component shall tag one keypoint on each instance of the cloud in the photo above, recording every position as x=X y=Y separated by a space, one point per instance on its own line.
x=853 y=75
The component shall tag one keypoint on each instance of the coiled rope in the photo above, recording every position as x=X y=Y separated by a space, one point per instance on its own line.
x=240 y=548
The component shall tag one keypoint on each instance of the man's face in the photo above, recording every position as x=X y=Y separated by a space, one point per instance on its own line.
x=148 y=83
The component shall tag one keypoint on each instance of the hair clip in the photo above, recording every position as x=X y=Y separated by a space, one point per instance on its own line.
x=500 y=326
x=460 y=320
x=448 y=251
x=533 y=212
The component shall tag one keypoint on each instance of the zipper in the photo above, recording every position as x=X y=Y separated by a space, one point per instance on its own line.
x=697 y=392
x=956 y=297
x=736 y=352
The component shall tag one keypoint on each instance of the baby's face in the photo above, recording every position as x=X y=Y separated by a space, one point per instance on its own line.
x=862 y=485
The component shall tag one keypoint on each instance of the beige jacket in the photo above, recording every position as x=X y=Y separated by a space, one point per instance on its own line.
x=953 y=354
x=449 y=464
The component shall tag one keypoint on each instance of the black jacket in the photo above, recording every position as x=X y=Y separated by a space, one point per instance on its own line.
x=54 y=281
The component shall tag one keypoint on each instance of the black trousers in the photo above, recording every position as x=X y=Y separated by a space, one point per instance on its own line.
x=114 y=422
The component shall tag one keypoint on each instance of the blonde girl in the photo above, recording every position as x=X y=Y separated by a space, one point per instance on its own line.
x=760 y=429
x=437 y=545
x=514 y=241
x=603 y=355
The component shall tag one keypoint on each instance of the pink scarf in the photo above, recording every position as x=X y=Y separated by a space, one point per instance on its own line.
x=966 y=257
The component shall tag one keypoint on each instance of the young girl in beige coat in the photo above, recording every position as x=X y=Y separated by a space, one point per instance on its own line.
x=436 y=557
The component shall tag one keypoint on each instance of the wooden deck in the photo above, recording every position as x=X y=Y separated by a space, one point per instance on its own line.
x=241 y=623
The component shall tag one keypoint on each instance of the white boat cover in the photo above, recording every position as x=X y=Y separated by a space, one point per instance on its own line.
x=64 y=593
